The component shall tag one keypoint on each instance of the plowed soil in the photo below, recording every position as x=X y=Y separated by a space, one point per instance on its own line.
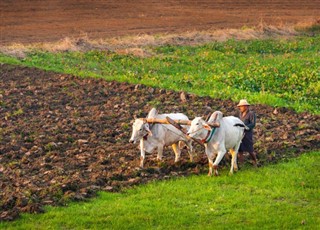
x=64 y=138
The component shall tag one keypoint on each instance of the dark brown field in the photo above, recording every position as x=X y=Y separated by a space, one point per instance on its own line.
x=64 y=138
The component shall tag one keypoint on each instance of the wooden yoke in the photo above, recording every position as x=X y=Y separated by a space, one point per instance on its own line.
x=165 y=121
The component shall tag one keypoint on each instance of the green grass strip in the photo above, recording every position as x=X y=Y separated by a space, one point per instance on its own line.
x=281 y=196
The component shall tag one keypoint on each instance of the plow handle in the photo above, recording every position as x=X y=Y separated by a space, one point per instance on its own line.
x=178 y=126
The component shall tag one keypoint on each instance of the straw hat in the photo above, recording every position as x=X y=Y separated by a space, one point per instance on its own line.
x=243 y=102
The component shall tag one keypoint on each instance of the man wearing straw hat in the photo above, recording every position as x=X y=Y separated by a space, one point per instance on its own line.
x=249 y=119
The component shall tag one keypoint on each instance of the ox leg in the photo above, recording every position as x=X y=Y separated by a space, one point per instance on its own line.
x=176 y=151
x=217 y=161
x=189 y=147
x=210 y=156
x=210 y=166
x=190 y=150
x=160 y=151
x=234 y=165
x=143 y=154
x=235 y=158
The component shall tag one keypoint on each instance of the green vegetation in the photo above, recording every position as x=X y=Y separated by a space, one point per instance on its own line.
x=275 y=72
x=282 y=196
x=283 y=73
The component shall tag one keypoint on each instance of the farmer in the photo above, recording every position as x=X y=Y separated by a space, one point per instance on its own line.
x=249 y=119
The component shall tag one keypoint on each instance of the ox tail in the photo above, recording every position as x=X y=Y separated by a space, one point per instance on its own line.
x=241 y=125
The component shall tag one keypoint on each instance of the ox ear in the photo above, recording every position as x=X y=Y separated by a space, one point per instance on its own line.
x=206 y=126
x=135 y=116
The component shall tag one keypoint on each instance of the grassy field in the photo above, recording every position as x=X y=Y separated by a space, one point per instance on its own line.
x=284 y=73
x=282 y=196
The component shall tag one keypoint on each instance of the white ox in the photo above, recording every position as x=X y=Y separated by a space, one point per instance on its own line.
x=157 y=136
x=226 y=134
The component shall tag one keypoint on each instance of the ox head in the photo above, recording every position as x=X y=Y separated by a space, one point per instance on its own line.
x=140 y=129
x=197 y=128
